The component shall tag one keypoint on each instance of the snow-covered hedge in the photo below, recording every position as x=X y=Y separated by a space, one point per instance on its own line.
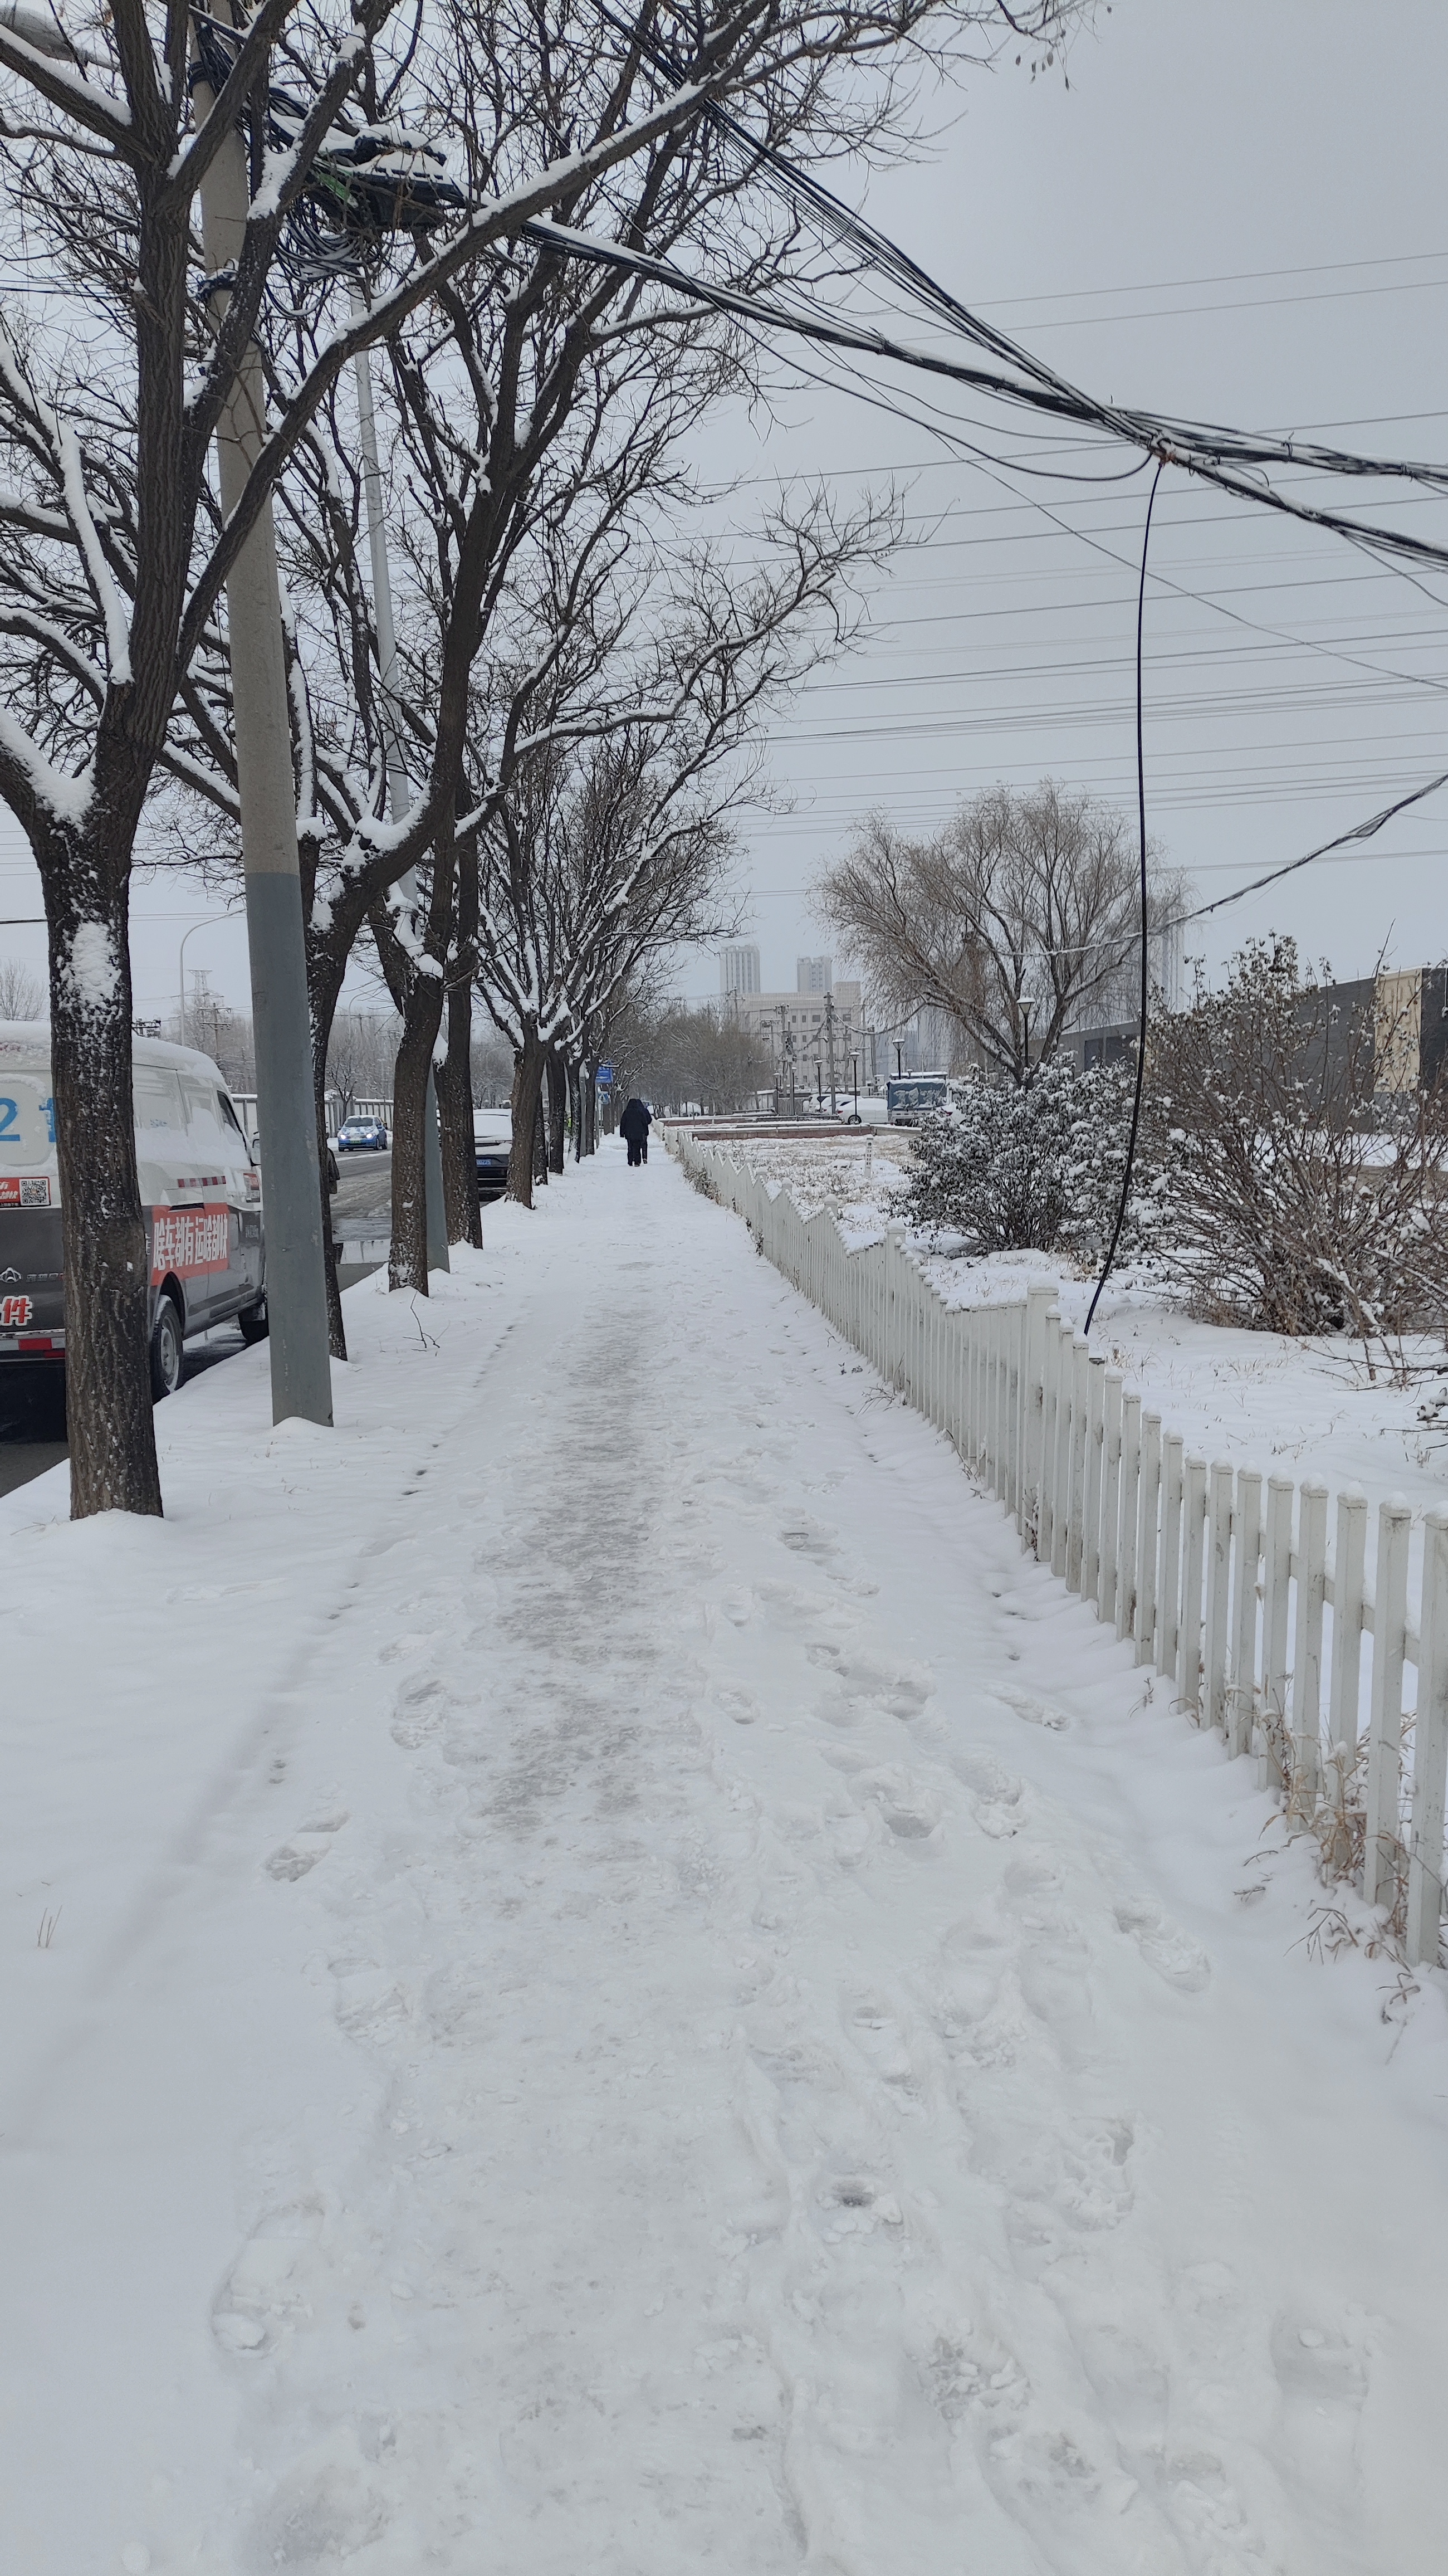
x=1033 y=1168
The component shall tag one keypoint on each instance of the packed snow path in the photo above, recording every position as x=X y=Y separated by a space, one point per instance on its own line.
x=636 y=1992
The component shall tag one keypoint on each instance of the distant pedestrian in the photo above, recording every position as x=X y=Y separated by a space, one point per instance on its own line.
x=634 y=1126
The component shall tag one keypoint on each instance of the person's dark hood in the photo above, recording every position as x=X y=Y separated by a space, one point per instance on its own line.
x=636 y=1121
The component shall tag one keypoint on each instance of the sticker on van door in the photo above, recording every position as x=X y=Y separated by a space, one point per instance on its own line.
x=189 y=1241
x=15 y=1313
x=24 y=1189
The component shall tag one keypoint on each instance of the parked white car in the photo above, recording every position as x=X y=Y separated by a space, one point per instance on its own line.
x=200 y=1192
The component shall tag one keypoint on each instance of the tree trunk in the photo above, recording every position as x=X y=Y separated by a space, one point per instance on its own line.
x=590 y=1110
x=557 y=1109
x=527 y=1102
x=336 y=1329
x=407 y=1254
x=575 y=1107
x=103 y=1233
x=455 y=1120
x=325 y=973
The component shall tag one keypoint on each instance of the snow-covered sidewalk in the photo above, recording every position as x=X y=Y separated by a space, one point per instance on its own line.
x=630 y=1989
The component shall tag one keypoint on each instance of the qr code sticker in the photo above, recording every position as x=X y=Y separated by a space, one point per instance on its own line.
x=34 y=1191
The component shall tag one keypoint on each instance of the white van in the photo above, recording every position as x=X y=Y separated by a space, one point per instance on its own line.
x=200 y=1195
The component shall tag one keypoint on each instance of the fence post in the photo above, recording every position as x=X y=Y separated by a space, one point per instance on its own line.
x=1110 y=1496
x=1345 y=1687
x=1050 y=1379
x=1075 y=1464
x=894 y=1321
x=1061 y=1469
x=1430 y=1750
x=1247 y=1547
x=1148 y=1508
x=1095 y=1462
x=1130 y=1504
x=1219 y=1578
x=1015 y=1322
x=1382 y=1845
x=1307 y=1658
x=1189 y=1635
x=1033 y=1409
x=1275 y=1608
x=996 y=1408
x=1169 y=1565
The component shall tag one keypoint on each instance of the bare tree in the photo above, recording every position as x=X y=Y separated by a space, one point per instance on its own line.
x=609 y=846
x=679 y=1058
x=115 y=554
x=1017 y=920
x=21 y=997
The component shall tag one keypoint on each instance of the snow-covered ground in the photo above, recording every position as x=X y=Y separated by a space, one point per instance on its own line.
x=1301 y=1408
x=628 y=1987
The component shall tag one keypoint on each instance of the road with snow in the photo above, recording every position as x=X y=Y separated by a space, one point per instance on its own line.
x=630 y=1988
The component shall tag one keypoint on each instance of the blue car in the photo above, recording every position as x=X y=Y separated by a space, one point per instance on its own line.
x=361 y=1136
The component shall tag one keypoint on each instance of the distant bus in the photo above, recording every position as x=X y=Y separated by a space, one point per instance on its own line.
x=912 y=1096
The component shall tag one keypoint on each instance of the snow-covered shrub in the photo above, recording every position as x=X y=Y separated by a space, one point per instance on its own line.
x=1275 y=1183
x=1036 y=1166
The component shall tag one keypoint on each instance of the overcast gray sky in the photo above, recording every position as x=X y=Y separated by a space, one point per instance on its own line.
x=1232 y=212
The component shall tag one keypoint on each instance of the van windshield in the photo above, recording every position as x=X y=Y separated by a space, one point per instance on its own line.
x=27 y=1119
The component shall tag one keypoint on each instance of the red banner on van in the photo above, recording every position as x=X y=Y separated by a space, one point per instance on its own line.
x=187 y=1241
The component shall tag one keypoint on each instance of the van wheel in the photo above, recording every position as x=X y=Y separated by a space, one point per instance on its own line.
x=165 y=1350
x=253 y=1322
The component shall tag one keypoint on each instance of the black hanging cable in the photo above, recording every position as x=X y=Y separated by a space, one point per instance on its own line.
x=1145 y=933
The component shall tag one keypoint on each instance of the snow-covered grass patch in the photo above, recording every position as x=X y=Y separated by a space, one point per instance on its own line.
x=1312 y=1407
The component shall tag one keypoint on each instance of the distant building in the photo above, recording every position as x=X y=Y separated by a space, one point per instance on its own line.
x=738 y=970
x=814 y=974
x=1385 y=1036
x=813 y=1036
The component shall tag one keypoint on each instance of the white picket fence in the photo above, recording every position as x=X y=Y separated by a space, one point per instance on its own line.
x=1229 y=1592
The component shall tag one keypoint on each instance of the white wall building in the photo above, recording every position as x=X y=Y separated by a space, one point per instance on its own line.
x=814 y=974
x=811 y=1036
x=739 y=970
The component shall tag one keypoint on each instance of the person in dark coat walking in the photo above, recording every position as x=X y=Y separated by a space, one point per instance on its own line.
x=634 y=1126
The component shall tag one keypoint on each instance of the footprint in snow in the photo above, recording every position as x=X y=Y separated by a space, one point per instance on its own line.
x=1321 y=2365
x=1176 y=1958
x=419 y=1715
x=741 y=1705
x=1001 y=1802
x=866 y=1681
x=293 y=1859
x=809 y=1538
x=1036 y=1712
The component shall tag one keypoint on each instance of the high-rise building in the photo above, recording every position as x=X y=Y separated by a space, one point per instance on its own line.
x=814 y=974
x=738 y=970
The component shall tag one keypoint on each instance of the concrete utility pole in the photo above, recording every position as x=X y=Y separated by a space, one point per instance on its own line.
x=399 y=793
x=296 y=1279
x=830 y=1049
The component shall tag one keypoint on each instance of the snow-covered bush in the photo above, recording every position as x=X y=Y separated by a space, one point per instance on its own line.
x=1275 y=1182
x=1015 y=1167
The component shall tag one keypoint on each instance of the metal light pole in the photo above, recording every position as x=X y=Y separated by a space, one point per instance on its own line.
x=399 y=794
x=301 y=1368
